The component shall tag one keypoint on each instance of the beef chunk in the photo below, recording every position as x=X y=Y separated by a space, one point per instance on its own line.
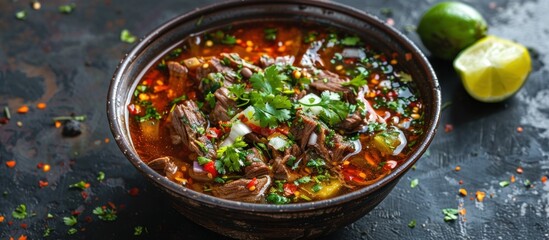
x=214 y=75
x=223 y=104
x=178 y=77
x=302 y=127
x=258 y=167
x=281 y=171
x=165 y=166
x=352 y=123
x=330 y=145
x=293 y=150
x=237 y=190
x=329 y=81
x=341 y=148
x=236 y=62
x=190 y=124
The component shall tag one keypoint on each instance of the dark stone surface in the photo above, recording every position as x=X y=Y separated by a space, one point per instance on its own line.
x=68 y=60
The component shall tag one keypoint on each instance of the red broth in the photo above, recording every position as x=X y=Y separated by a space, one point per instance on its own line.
x=275 y=113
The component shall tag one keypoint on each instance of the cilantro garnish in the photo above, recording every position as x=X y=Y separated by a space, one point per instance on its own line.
x=304 y=179
x=67 y=8
x=412 y=224
x=105 y=214
x=127 y=37
x=20 y=212
x=138 y=230
x=277 y=199
x=70 y=221
x=231 y=158
x=229 y=40
x=210 y=98
x=450 y=214
x=271 y=81
x=270 y=34
x=350 y=41
x=504 y=183
x=150 y=112
x=100 y=176
x=47 y=232
x=356 y=82
x=72 y=231
x=21 y=15
x=333 y=109
x=317 y=187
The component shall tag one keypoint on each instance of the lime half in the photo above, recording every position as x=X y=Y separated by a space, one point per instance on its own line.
x=493 y=68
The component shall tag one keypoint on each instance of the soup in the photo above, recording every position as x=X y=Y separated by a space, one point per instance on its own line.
x=275 y=113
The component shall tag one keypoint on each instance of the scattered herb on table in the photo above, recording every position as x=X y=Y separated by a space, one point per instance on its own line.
x=527 y=183
x=7 y=112
x=72 y=231
x=504 y=183
x=70 y=221
x=127 y=37
x=20 y=212
x=82 y=185
x=79 y=118
x=67 y=8
x=105 y=213
x=138 y=230
x=47 y=232
x=21 y=15
x=414 y=183
x=450 y=214
x=100 y=176
x=49 y=216
x=412 y=224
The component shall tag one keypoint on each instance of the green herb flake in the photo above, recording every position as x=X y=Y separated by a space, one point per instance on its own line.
x=277 y=199
x=270 y=34
x=100 y=176
x=414 y=183
x=203 y=160
x=412 y=224
x=67 y=8
x=350 y=41
x=21 y=15
x=72 y=231
x=527 y=183
x=450 y=214
x=127 y=37
x=210 y=98
x=47 y=232
x=138 y=230
x=357 y=82
x=49 y=216
x=70 y=221
x=317 y=187
x=20 y=212
x=304 y=179
x=81 y=185
x=231 y=158
x=105 y=214
x=229 y=40
x=504 y=183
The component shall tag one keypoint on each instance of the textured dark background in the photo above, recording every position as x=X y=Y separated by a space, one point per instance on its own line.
x=67 y=61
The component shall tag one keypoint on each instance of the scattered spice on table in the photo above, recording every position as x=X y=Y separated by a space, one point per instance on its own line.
x=42 y=184
x=100 y=176
x=520 y=129
x=412 y=224
x=133 y=192
x=72 y=231
x=70 y=221
x=520 y=170
x=81 y=185
x=504 y=183
x=11 y=163
x=47 y=232
x=105 y=213
x=2 y=219
x=457 y=169
x=36 y=5
x=480 y=195
x=513 y=179
x=46 y=168
x=462 y=192
x=21 y=15
x=450 y=214
x=543 y=179
x=23 y=109
x=448 y=128
x=138 y=230
x=41 y=106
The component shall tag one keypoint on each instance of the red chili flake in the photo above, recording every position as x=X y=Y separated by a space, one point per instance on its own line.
x=520 y=129
x=251 y=185
x=519 y=170
x=289 y=189
x=111 y=205
x=40 y=165
x=1 y=219
x=43 y=184
x=23 y=109
x=4 y=120
x=11 y=163
x=133 y=192
x=460 y=182
x=134 y=109
x=24 y=225
x=448 y=128
x=75 y=213
x=122 y=206
x=408 y=56
x=22 y=237
x=390 y=21
x=544 y=179
x=88 y=219
x=84 y=194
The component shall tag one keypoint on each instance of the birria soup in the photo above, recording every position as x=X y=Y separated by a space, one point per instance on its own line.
x=276 y=113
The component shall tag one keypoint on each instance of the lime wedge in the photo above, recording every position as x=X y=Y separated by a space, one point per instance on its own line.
x=493 y=69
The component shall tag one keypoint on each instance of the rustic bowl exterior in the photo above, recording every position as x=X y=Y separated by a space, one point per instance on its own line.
x=267 y=221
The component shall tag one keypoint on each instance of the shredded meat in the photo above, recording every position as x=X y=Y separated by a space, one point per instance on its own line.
x=237 y=190
x=223 y=104
x=214 y=75
x=281 y=171
x=189 y=123
x=352 y=123
x=236 y=62
x=258 y=167
x=302 y=127
x=329 y=81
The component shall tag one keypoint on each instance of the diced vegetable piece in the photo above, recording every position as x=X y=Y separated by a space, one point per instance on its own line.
x=278 y=143
x=191 y=63
x=390 y=141
x=238 y=129
x=329 y=190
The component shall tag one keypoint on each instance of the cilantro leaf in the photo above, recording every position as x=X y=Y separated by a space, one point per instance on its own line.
x=350 y=41
x=356 y=82
x=210 y=98
x=269 y=115
x=67 y=8
x=20 y=212
x=105 y=214
x=82 y=185
x=231 y=158
x=229 y=40
x=277 y=199
x=450 y=214
x=270 y=34
x=70 y=221
x=72 y=231
x=101 y=176
x=127 y=37
x=270 y=82
x=414 y=183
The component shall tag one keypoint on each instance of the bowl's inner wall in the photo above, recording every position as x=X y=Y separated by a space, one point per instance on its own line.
x=171 y=35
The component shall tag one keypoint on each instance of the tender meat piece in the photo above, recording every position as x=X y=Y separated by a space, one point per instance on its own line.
x=236 y=62
x=178 y=77
x=165 y=166
x=293 y=150
x=352 y=123
x=330 y=145
x=198 y=174
x=214 y=76
x=190 y=124
x=341 y=148
x=252 y=138
x=283 y=172
x=302 y=127
x=257 y=166
x=222 y=105
x=266 y=61
x=237 y=190
x=329 y=81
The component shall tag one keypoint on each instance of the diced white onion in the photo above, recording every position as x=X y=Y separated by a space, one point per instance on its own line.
x=358 y=149
x=312 y=139
x=238 y=129
x=403 y=142
x=278 y=143
x=385 y=84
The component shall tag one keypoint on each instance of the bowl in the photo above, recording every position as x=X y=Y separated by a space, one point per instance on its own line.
x=266 y=221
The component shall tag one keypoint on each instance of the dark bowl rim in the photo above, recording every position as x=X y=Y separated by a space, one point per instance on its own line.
x=176 y=189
